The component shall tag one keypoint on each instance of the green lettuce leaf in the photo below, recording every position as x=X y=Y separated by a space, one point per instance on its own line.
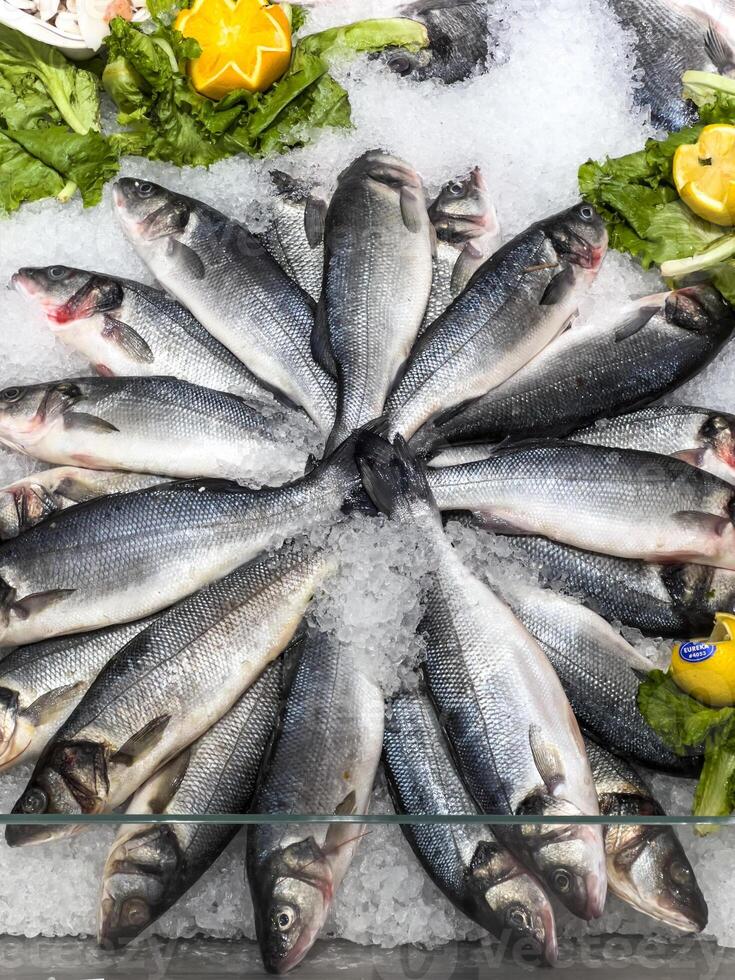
x=23 y=177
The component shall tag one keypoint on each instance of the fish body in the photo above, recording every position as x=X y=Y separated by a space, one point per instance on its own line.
x=658 y=600
x=168 y=686
x=323 y=761
x=117 y=559
x=674 y=36
x=516 y=303
x=701 y=437
x=615 y=501
x=467 y=233
x=295 y=234
x=478 y=875
x=31 y=500
x=144 y=425
x=127 y=329
x=599 y=671
x=150 y=866
x=646 y=866
x=233 y=286
x=377 y=278
x=41 y=684
x=513 y=735
x=459 y=43
x=595 y=371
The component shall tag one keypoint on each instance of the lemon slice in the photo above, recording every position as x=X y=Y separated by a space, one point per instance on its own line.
x=704 y=174
x=705 y=669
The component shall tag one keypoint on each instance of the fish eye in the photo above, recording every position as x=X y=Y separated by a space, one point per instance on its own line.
x=456 y=188
x=284 y=918
x=586 y=212
x=679 y=873
x=34 y=801
x=518 y=918
x=58 y=272
x=400 y=64
x=145 y=188
x=561 y=881
x=135 y=912
x=10 y=394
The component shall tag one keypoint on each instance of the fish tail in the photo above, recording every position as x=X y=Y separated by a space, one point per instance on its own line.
x=393 y=477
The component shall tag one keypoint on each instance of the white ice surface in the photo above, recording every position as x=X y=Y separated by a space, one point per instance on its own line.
x=560 y=91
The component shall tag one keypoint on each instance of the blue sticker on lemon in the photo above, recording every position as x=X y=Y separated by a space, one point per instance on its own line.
x=695 y=652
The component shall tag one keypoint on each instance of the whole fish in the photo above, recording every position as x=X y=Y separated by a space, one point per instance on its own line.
x=128 y=329
x=146 y=425
x=598 y=669
x=513 y=735
x=323 y=761
x=167 y=686
x=699 y=436
x=467 y=232
x=34 y=498
x=615 y=501
x=517 y=302
x=659 y=600
x=150 y=866
x=41 y=684
x=459 y=45
x=674 y=36
x=295 y=234
x=596 y=370
x=377 y=278
x=646 y=866
x=226 y=277
x=476 y=873
x=117 y=559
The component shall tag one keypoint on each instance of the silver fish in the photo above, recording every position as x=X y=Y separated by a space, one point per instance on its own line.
x=517 y=302
x=150 y=866
x=117 y=559
x=598 y=669
x=659 y=600
x=295 y=234
x=377 y=277
x=646 y=866
x=512 y=731
x=673 y=36
x=225 y=276
x=699 y=436
x=467 y=232
x=476 y=873
x=595 y=371
x=615 y=501
x=146 y=425
x=167 y=686
x=128 y=329
x=323 y=761
x=41 y=684
x=34 y=498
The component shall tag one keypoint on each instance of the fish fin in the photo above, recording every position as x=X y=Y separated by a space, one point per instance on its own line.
x=73 y=489
x=485 y=853
x=334 y=843
x=53 y=703
x=637 y=321
x=701 y=520
x=35 y=504
x=413 y=209
x=558 y=287
x=321 y=345
x=140 y=743
x=499 y=524
x=168 y=781
x=85 y=422
x=348 y=806
x=315 y=217
x=451 y=413
x=434 y=241
x=719 y=50
x=546 y=758
x=691 y=456
x=127 y=339
x=469 y=261
x=391 y=474
x=38 y=601
x=190 y=263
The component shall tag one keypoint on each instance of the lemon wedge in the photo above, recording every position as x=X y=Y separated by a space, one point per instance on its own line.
x=705 y=669
x=704 y=174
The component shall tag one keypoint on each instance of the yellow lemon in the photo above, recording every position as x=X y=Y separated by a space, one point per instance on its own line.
x=245 y=44
x=704 y=174
x=705 y=669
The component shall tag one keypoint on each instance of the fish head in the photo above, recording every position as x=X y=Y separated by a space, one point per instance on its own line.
x=383 y=168
x=150 y=213
x=140 y=875
x=463 y=209
x=408 y=64
x=69 y=779
x=700 y=309
x=294 y=892
x=649 y=869
x=579 y=237
x=717 y=434
x=15 y=735
x=68 y=295
x=26 y=411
